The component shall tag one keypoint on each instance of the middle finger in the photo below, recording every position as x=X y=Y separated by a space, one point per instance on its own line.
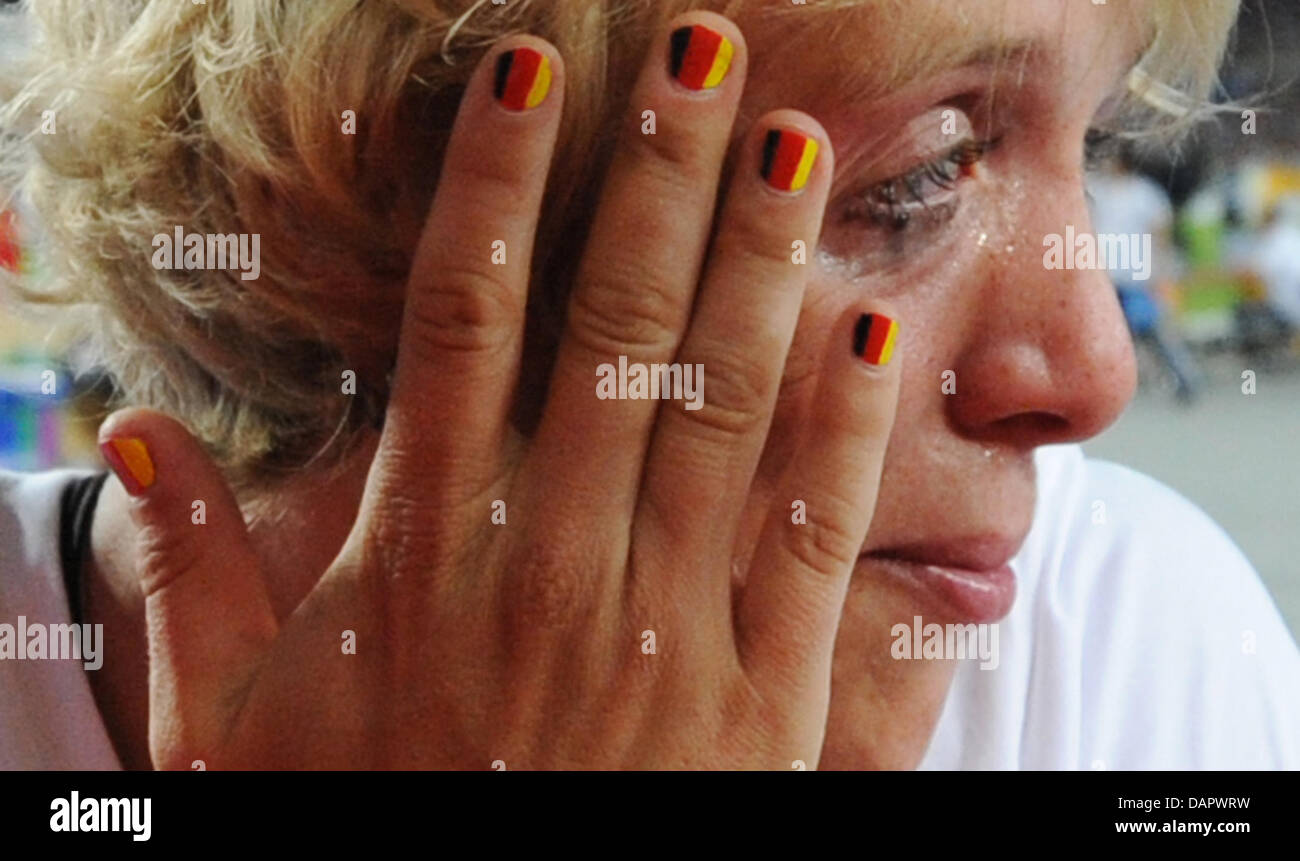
x=638 y=276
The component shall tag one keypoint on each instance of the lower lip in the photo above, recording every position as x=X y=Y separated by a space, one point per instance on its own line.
x=970 y=596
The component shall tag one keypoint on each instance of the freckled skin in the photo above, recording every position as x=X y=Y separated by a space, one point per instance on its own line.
x=1040 y=356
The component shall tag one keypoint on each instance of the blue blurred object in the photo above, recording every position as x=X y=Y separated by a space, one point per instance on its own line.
x=31 y=421
x=1140 y=310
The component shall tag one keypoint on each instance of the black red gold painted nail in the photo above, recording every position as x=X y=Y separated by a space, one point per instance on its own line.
x=130 y=460
x=788 y=159
x=700 y=57
x=523 y=79
x=873 y=338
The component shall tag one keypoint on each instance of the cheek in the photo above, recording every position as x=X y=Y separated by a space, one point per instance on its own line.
x=933 y=319
x=827 y=299
x=934 y=322
x=935 y=315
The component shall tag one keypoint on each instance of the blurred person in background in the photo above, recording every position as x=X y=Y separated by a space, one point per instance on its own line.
x=1125 y=202
x=1276 y=259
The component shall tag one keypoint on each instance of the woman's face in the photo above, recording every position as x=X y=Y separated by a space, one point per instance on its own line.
x=1000 y=354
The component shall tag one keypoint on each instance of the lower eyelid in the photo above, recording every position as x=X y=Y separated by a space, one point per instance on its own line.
x=868 y=235
x=934 y=213
x=902 y=208
x=935 y=210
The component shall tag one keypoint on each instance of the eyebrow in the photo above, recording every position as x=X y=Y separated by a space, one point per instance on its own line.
x=995 y=55
x=869 y=70
x=992 y=54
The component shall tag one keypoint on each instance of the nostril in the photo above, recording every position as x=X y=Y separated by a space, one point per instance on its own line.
x=1043 y=425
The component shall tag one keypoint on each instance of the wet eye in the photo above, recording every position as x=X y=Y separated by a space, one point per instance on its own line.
x=925 y=193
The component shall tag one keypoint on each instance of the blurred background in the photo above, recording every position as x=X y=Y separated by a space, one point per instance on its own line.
x=1216 y=326
x=1220 y=316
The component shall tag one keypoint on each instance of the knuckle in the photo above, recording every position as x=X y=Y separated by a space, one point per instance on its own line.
x=751 y=242
x=737 y=393
x=828 y=543
x=617 y=313
x=495 y=186
x=467 y=311
x=165 y=555
x=544 y=590
x=670 y=160
x=401 y=542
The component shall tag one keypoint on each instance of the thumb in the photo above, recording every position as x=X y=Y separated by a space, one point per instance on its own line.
x=208 y=613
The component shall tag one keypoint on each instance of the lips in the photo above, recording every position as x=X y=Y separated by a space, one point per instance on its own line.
x=967 y=580
x=979 y=553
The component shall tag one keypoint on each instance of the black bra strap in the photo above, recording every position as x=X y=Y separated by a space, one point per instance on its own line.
x=76 y=516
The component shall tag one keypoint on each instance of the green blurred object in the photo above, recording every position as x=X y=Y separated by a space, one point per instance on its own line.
x=1210 y=291
x=1208 y=295
x=1203 y=241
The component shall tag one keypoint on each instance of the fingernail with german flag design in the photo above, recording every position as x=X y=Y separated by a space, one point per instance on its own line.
x=130 y=460
x=523 y=79
x=873 y=339
x=700 y=57
x=788 y=159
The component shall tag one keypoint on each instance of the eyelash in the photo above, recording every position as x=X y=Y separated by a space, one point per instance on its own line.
x=886 y=203
x=895 y=202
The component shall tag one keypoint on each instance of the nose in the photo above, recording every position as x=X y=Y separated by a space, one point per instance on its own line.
x=1052 y=360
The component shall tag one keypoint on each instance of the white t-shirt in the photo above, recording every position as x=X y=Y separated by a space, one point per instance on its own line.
x=48 y=716
x=1276 y=258
x=1144 y=641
